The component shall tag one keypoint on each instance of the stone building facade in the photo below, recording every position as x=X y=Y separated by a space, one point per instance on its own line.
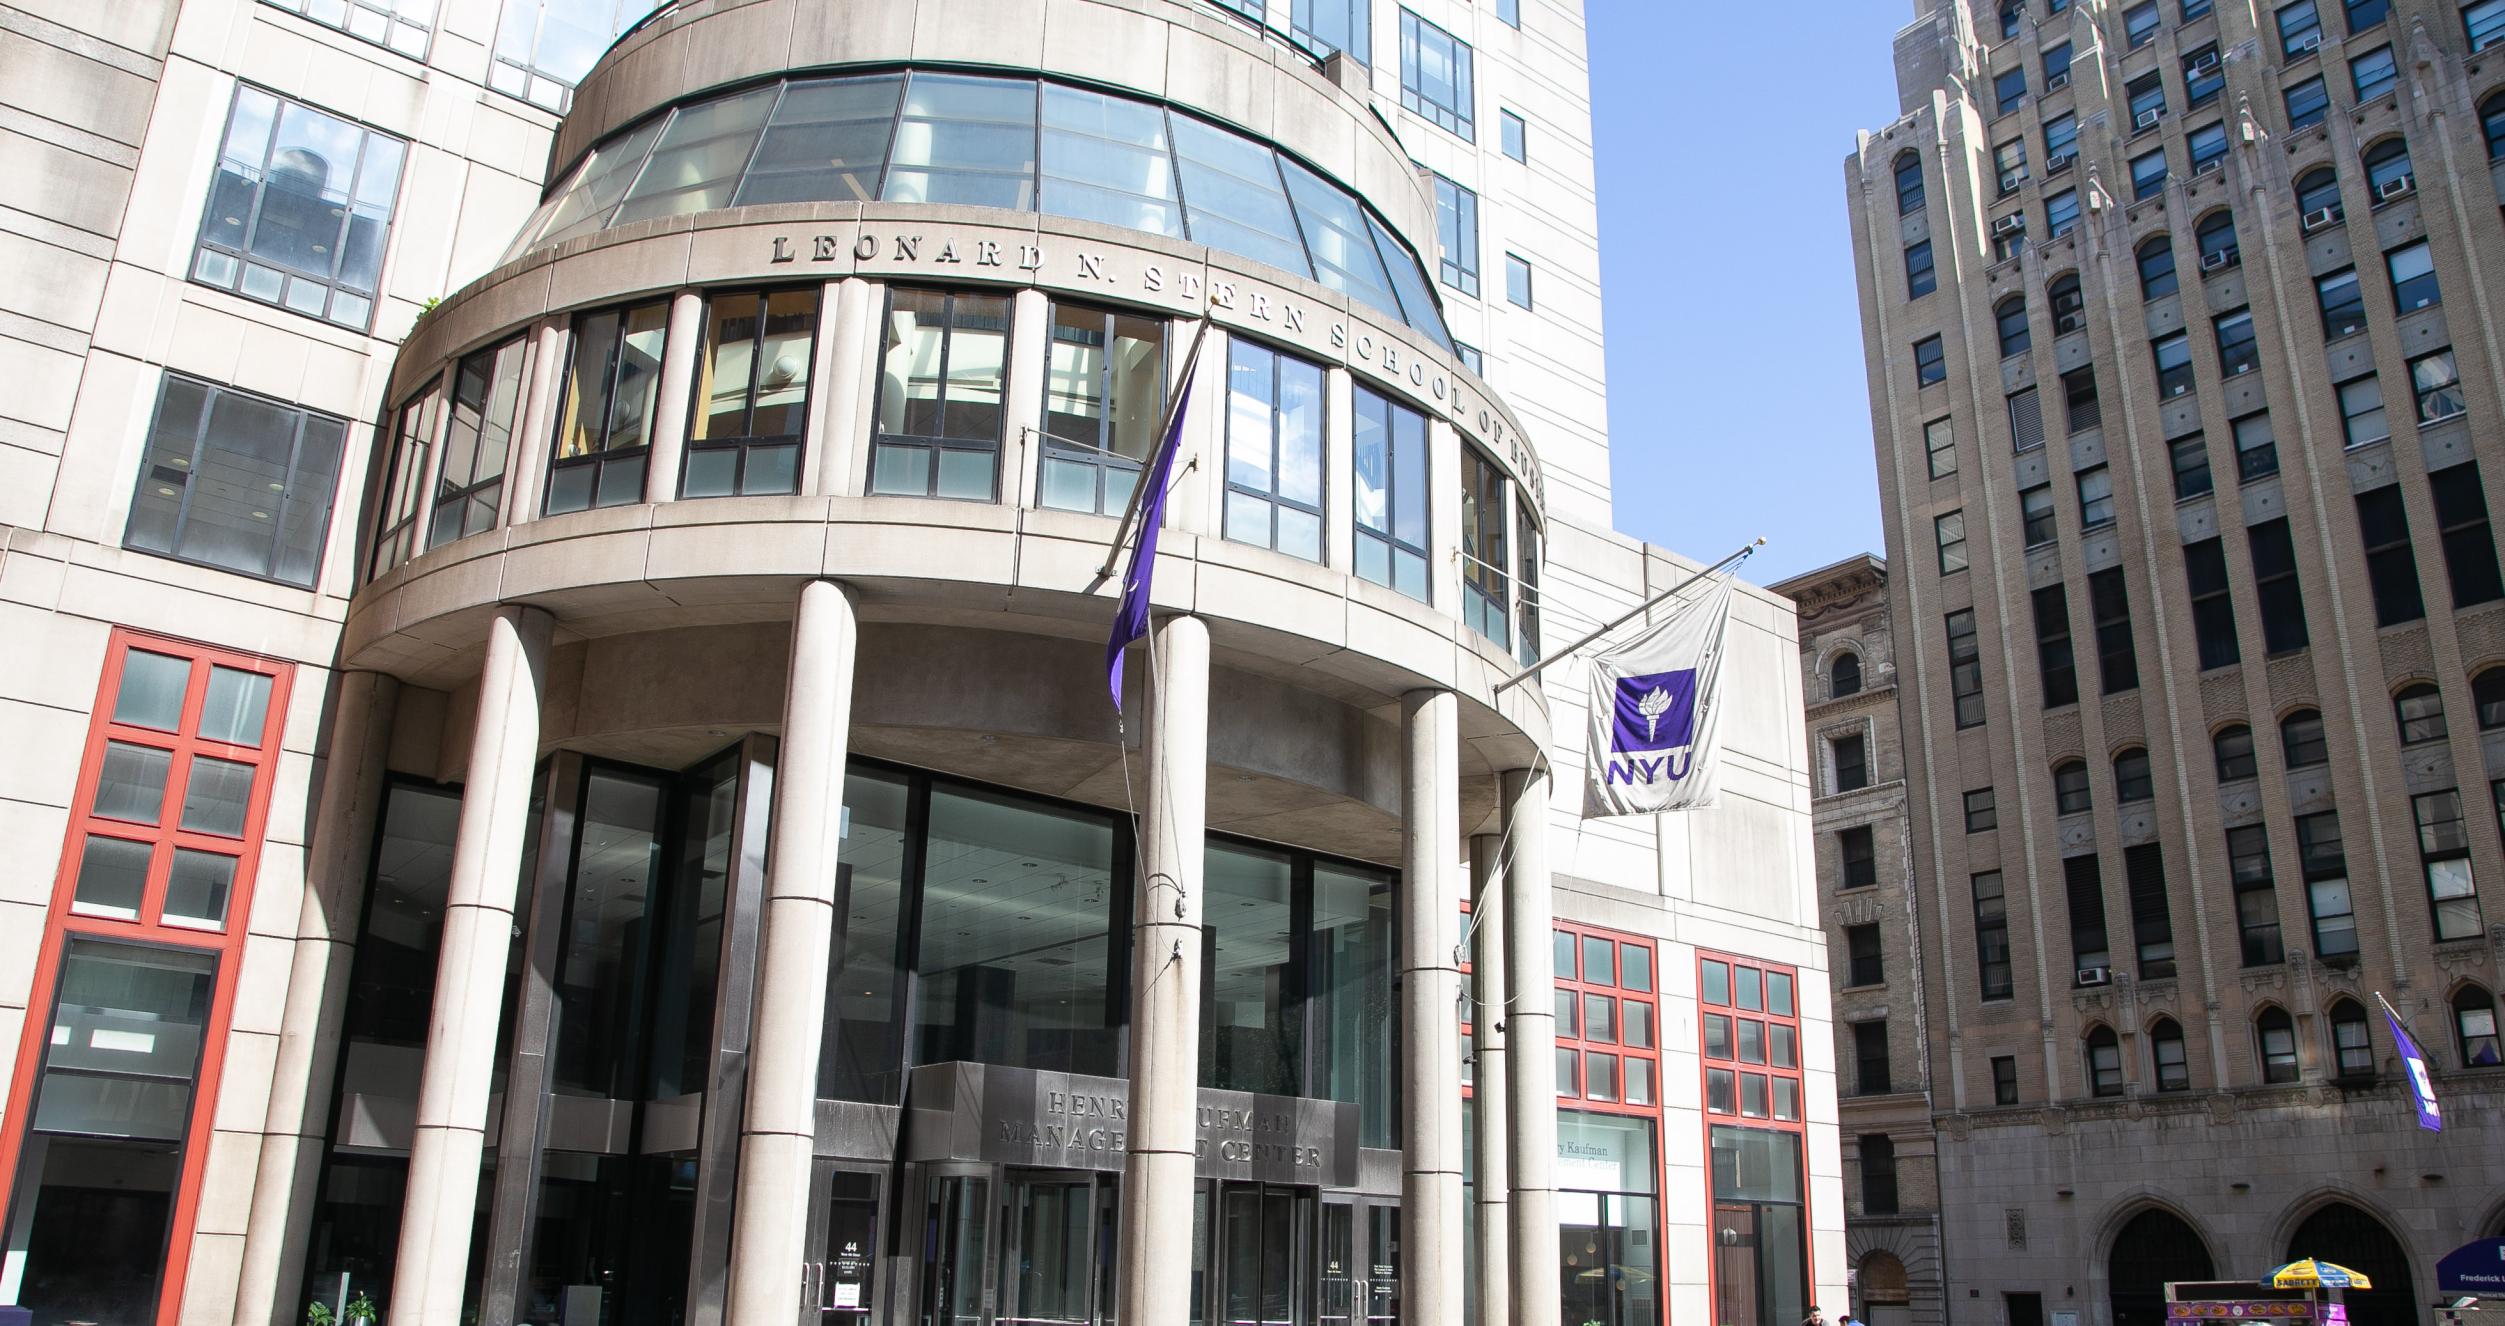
x=555 y=559
x=2186 y=397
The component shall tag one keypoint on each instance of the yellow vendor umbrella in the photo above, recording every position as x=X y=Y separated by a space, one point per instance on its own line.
x=2315 y=1274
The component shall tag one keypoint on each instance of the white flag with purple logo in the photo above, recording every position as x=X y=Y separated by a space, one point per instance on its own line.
x=1653 y=744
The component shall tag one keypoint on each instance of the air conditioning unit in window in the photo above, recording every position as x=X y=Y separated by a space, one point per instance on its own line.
x=2219 y=261
x=2148 y=119
x=2056 y=82
x=2214 y=163
x=2488 y=39
x=2012 y=224
x=2057 y=164
x=2317 y=219
x=2068 y=323
x=2207 y=64
x=2310 y=42
x=2096 y=976
x=2394 y=188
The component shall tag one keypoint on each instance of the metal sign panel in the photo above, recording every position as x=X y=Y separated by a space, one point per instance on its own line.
x=1018 y=1116
x=2476 y=1267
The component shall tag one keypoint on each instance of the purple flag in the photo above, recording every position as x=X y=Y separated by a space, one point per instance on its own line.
x=1130 y=615
x=2414 y=1068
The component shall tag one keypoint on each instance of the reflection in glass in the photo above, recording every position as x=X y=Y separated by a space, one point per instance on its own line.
x=697 y=161
x=1761 y=1261
x=151 y=693
x=863 y=1058
x=112 y=878
x=617 y=870
x=1356 y=1026
x=1274 y=450
x=1390 y=492
x=939 y=401
x=1608 y=1255
x=216 y=796
x=1250 y=1039
x=751 y=393
x=1104 y=398
x=486 y=407
x=1105 y=160
x=130 y=785
x=605 y=429
x=827 y=139
x=235 y=481
x=197 y=890
x=237 y=704
x=300 y=208
x=969 y=141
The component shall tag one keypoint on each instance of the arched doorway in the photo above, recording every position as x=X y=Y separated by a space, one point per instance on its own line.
x=1886 y=1300
x=2350 y=1236
x=2154 y=1247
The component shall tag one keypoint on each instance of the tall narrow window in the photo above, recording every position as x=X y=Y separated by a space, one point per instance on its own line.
x=2004 y=1079
x=2444 y=853
x=2391 y=564
x=2302 y=742
x=2216 y=237
x=2134 y=778
x=2014 y=336
x=300 y=211
x=1909 y=195
x=2035 y=512
x=2190 y=457
x=1274 y=431
x=2256 y=448
x=1939 y=440
x=2487 y=693
x=1844 y=675
x=2275 y=585
x=486 y=408
x=1930 y=362
x=2096 y=498
x=1391 y=494
x=604 y=429
x=1852 y=762
x=2308 y=102
x=2324 y=859
x=2104 y=1062
x=2343 y=305
x=2152 y=929
x=1965 y=668
x=942 y=371
x=1950 y=531
x=236 y=482
x=2117 y=658
x=752 y=394
x=2204 y=76
x=404 y=484
x=2157 y=275
x=2236 y=353
x=2256 y=895
x=1877 y=1153
x=2079 y=401
x=1871 y=1072
x=2352 y=1044
x=2056 y=664
x=1457 y=234
x=1921 y=278
x=1517 y=281
x=1991 y=936
x=2461 y=512
x=1515 y=135
x=2174 y=364
x=2213 y=612
x=2026 y=419
x=2474 y=1027
x=1526 y=528
x=2072 y=793
x=1436 y=79
x=1484 y=560
x=2069 y=304
x=1982 y=810
x=2165 y=1052
x=2420 y=711
x=2437 y=383
x=2274 y=1033
x=2373 y=74
x=2084 y=889
x=2300 y=29
x=2362 y=421
x=1859 y=852
x=2232 y=749
x=1104 y=400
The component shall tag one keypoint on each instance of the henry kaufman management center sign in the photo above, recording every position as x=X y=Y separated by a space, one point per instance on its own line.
x=1655 y=700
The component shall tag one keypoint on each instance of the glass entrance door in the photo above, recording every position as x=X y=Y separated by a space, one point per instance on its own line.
x=1265 y=1255
x=1606 y=1243
x=840 y=1281
x=956 y=1225
x=1060 y=1254
x=1359 y=1270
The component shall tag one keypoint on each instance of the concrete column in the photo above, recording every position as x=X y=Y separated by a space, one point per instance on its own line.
x=846 y=390
x=1430 y=994
x=770 y=1215
x=1531 y=1047
x=1490 y=1072
x=1157 y=1173
x=1443 y=475
x=293 y=1131
x=526 y=479
x=1030 y=342
x=669 y=403
x=433 y=1264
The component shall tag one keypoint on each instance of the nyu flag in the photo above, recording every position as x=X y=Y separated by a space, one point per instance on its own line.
x=1130 y=616
x=1653 y=740
x=2414 y=1069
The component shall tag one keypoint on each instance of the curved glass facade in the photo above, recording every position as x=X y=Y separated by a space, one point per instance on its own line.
x=1019 y=143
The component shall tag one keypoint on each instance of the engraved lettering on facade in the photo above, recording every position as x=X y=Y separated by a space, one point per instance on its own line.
x=1295 y=318
x=1030 y=258
x=822 y=248
x=866 y=247
x=1092 y=268
x=1261 y=306
x=948 y=252
x=1339 y=335
x=908 y=248
x=1191 y=285
x=1222 y=294
x=782 y=250
x=1154 y=278
x=986 y=253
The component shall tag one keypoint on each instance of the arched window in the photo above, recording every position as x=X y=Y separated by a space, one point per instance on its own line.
x=2069 y=305
x=1844 y=675
x=2275 y=1034
x=2157 y=268
x=2070 y=787
x=2301 y=740
x=2318 y=190
x=2155 y=1247
x=2420 y=709
x=2165 y=1052
x=1908 y=182
x=2131 y=777
x=2349 y=1236
x=2104 y=1062
x=2216 y=238
x=2012 y=315
x=2234 y=748
x=2387 y=169
x=2487 y=691
x=2352 y=1046
x=2492 y=118
x=2474 y=1027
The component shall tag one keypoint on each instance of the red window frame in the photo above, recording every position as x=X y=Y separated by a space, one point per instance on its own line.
x=1588 y=988
x=64 y=922
x=1710 y=1118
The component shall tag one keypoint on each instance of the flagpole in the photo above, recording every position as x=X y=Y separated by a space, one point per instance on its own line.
x=1630 y=615
x=1165 y=424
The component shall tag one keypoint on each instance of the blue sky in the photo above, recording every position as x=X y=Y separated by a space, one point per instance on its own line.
x=1738 y=403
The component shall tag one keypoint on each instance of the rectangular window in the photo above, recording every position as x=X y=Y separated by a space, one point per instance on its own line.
x=2096 y=498
x=1527 y=577
x=1104 y=401
x=2191 y=467
x=1982 y=810
x=2256 y=899
x=2484 y=23
x=2308 y=102
x=2361 y=411
x=2061 y=142
x=2343 y=304
x=2193 y=9
x=1950 y=529
x=2117 y=658
x=2275 y=585
x=1513 y=135
x=1991 y=936
x=2461 y=512
x=2438 y=386
x=2035 y=508
x=2364 y=14
x=413 y=441
x=2300 y=30
x=1860 y=854
x=939 y=417
x=2444 y=851
x=751 y=403
x=2208 y=146
x=1940 y=441
x=2009 y=91
x=2204 y=76
x=2054 y=661
x=401 y=26
x=1457 y=231
x=2061 y=216
x=2174 y=364
x=2373 y=73
x=1517 y=281
x=2004 y=1079
x=1930 y=359
x=2152 y=931
x=2056 y=66
x=1877 y=1154
x=2084 y=889
x=2237 y=353
x=1920 y=277
x=2322 y=856
x=544 y=47
x=1509 y=13
x=486 y=408
x=2147 y=102
x=1327 y=26
x=2010 y=160
x=2026 y=420
x=2148 y=172
x=1391 y=494
x=1965 y=668
x=2391 y=563
x=1485 y=592
x=1436 y=79
x=2256 y=448
x=2139 y=24
x=300 y=211
x=2213 y=612
x=237 y=482
x=1274 y=449
x=1852 y=762
x=2413 y=277
x=604 y=429
x=2080 y=404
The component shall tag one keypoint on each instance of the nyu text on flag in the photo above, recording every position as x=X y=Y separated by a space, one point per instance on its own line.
x=1653 y=744
x=2414 y=1070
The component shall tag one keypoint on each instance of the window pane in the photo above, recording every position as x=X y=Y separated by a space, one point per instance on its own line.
x=1250 y=1041
x=138 y=1014
x=1635 y=969
x=1717 y=1036
x=1599 y=961
x=1778 y=994
x=112 y=878
x=1600 y=1076
x=826 y=142
x=216 y=796
x=1600 y=1019
x=964 y=140
x=1717 y=983
x=1639 y=1081
x=864 y=1059
x=236 y=708
x=197 y=892
x=131 y=784
x=1721 y=1091
x=1638 y=1030
x=151 y=693
x=1237 y=203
